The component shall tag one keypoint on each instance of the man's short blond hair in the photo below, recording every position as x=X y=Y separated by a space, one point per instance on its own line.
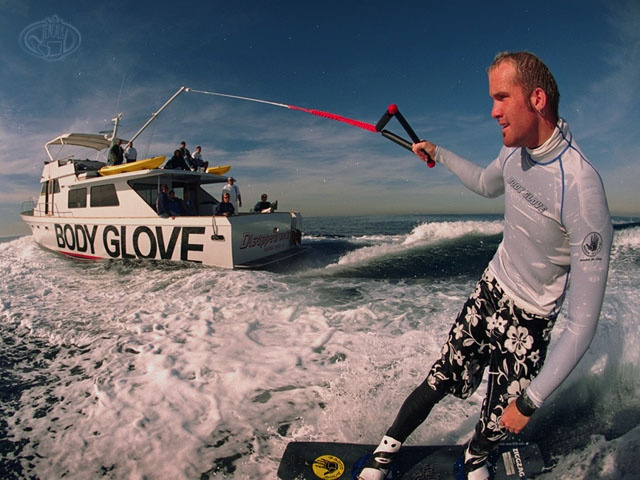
x=532 y=73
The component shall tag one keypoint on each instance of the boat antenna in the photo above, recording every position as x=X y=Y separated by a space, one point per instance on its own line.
x=116 y=120
x=120 y=93
x=114 y=134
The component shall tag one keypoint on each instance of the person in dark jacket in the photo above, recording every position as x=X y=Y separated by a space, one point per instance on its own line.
x=186 y=155
x=174 y=205
x=176 y=162
x=263 y=204
x=225 y=207
x=116 y=156
x=162 y=202
x=187 y=206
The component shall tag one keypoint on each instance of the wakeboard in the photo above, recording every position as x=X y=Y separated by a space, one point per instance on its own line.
x=343 y=461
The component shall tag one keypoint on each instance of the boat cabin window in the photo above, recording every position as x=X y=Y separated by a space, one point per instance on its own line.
x=78 y=198
x=202 y=200
x=104 y=196
x=53 y=185
x=148 y=191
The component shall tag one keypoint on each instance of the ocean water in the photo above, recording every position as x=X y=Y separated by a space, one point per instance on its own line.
x=135 y=370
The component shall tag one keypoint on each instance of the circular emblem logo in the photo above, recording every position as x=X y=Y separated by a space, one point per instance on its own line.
x=51 y=39
x=328 y=467
x=592 y=244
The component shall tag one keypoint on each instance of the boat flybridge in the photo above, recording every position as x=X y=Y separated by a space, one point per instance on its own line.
x=90 y=210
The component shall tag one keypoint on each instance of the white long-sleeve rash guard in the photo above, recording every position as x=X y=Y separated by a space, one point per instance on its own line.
x=556 y=221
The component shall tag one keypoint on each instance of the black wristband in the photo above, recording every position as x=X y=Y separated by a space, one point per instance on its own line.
x=525 y=405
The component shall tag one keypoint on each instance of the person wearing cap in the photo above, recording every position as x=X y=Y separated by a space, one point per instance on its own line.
x=234 y=192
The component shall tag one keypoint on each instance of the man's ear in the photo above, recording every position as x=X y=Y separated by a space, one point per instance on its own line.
x=538 y=99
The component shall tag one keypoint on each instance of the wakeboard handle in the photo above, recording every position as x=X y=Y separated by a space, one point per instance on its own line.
x=392 y=111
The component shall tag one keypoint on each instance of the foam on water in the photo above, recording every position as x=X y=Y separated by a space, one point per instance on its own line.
x=427 y=233
x=143 y=370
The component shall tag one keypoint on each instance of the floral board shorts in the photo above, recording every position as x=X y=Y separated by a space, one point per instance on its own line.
x=491 y=331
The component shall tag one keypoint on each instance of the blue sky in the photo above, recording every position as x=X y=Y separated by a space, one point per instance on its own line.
x=352 y=58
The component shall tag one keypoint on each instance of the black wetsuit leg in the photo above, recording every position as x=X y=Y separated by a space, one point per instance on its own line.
x=414 y=411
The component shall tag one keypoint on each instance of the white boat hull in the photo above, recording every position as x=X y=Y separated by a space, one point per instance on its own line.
x=218 y=241
x=90 y=210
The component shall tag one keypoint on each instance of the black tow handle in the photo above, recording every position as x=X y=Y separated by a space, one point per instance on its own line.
x=392 y=111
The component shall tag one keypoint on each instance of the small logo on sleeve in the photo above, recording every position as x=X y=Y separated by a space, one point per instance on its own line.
x=592 y=244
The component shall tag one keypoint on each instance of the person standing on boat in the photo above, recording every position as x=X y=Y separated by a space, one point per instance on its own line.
x=130 y=153
x=225 y=207
x=232 y=189
x=556 y=224
x=198 y=163
x=115 y=154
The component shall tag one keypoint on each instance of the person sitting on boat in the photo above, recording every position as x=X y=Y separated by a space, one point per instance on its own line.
x=176 y=162
x=130 y=153
x=174 y=204
x=225 y=207
x=187 y=206
x=162 y=202
x=186 y=154
x=262 y=205
x=198 y=163
x=115 y=154
x=234 y=192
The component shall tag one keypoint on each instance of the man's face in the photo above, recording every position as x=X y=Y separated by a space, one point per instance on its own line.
x=225 y=198
x=512 y=108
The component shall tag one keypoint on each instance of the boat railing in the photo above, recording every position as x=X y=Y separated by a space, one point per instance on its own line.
x=27 y=208
x=31 y=208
